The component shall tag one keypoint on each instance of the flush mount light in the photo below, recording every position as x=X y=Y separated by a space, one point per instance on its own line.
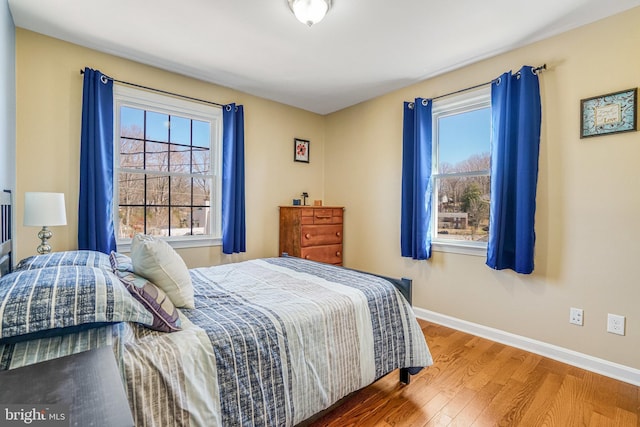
x=310 y=11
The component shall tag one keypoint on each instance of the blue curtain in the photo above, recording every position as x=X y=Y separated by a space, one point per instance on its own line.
x=233 y=199
x=95 y=219
x=415 y=225
x=516 y=119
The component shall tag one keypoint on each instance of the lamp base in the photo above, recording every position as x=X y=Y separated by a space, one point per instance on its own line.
x=44 y=235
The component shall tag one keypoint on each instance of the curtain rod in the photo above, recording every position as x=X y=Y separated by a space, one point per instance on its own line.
x=534 y=70
x=160 y=91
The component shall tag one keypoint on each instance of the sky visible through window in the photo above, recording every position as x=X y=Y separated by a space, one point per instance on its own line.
x=463 y=135
x=464 y=147
x=157 y=127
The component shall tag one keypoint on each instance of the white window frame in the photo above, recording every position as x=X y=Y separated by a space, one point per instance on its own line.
x=460 y=103
x=125 y=96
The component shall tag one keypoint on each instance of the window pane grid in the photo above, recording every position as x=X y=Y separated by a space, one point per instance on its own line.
x=164 y=189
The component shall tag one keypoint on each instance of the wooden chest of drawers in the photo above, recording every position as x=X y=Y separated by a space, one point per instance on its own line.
x=312 y=232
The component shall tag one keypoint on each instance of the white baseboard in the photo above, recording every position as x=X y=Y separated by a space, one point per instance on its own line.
x=574 y=358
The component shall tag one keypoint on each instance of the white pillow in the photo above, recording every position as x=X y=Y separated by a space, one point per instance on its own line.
x=155 y=260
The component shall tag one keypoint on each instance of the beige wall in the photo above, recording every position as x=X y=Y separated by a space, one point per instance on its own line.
x=587 y=249
x=49 y=95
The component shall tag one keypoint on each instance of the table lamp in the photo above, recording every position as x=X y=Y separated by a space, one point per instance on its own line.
x=44 y=210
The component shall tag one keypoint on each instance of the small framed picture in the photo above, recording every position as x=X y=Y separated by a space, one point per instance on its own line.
x=301 y=150
x=610 y=113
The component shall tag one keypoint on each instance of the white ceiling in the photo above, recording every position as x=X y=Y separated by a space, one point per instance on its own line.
x=362 y=49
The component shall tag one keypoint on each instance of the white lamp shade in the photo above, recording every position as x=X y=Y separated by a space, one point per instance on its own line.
x=44 y=209
x=309 y=11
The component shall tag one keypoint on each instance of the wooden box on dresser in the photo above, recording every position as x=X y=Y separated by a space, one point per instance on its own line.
x=312 y=232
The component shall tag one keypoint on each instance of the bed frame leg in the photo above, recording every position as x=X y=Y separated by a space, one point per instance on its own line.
x=405 y=377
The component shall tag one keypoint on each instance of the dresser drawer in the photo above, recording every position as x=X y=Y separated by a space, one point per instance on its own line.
x=306 y=215
x=313 y=235
x=325 y=216
x=320 y=216
x=331 y=254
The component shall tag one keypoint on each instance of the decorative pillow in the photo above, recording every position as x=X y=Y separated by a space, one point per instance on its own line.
x=55 y=259
x=165 y=314
x=56 y=300
x=155 y=260
x=120 y=262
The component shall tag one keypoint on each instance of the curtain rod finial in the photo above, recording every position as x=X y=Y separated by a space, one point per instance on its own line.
x=543 y=67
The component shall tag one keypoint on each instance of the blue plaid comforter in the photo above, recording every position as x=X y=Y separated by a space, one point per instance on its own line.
x=270 y=342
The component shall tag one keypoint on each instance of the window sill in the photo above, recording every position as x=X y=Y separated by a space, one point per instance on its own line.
x=460 y=248
x=177 y=243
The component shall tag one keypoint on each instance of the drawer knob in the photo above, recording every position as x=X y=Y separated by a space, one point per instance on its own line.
x=338 y=253
x=307 y=236
x=307 y=257
x=338 y=233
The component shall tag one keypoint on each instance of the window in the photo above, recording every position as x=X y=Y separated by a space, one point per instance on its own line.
x=461 y=172
x=167 y=168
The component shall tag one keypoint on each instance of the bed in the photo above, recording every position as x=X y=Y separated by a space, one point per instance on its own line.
x=5 y=232
x=266 y=342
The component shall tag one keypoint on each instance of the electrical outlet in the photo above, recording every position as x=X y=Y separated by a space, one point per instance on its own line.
x=615 y=324
x=575 y=316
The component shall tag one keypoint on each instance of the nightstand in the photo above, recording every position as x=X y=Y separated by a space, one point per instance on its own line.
x=83 y=389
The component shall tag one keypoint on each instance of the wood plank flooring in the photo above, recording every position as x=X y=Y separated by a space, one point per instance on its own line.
x=477 y=382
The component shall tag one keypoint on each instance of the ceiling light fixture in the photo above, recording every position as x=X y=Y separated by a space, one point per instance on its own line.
x=309 y=11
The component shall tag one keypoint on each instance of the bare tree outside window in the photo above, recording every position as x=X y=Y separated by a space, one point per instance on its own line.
x=462 y=171
x=165 y=177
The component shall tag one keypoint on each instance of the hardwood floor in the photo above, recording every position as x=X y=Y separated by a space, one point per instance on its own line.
x=477 y=382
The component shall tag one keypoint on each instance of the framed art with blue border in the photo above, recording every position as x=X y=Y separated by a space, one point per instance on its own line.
x=301 y=150
x=610 y=113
